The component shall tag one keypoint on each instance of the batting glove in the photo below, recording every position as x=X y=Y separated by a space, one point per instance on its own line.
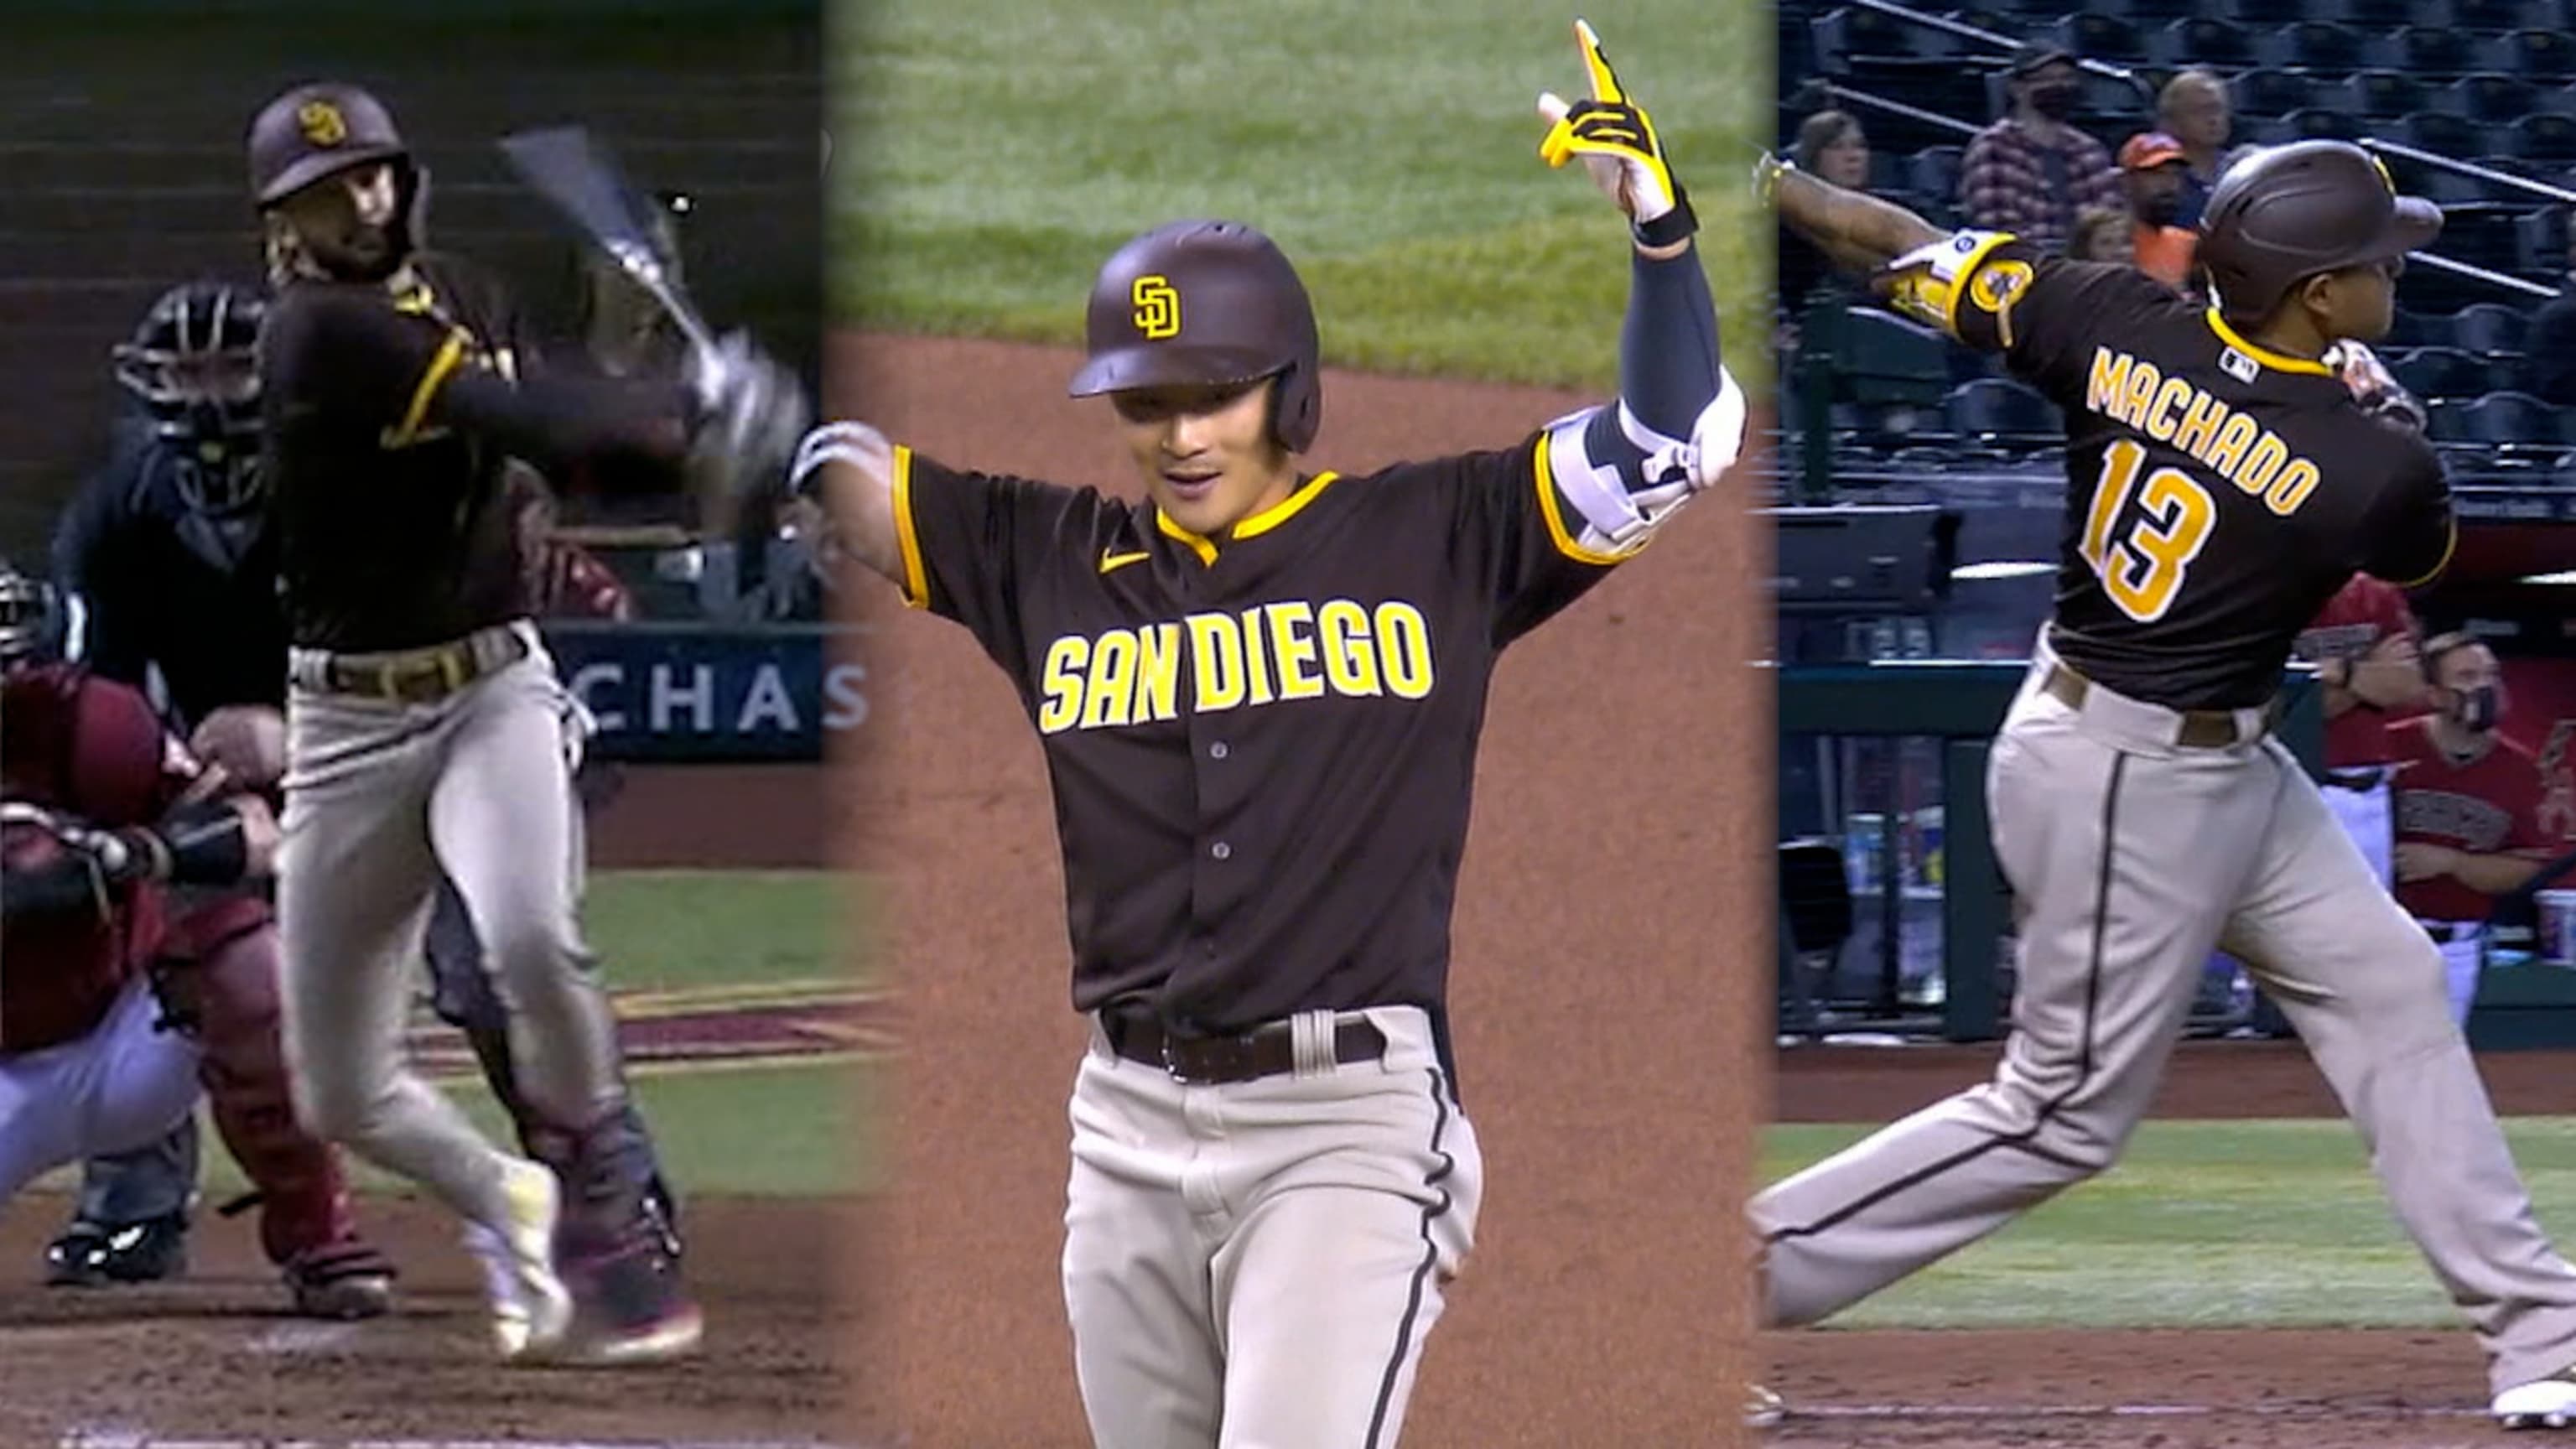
x=1619 y=147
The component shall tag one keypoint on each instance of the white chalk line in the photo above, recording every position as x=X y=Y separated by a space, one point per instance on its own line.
x=1798 y=1411
x=104 y=1437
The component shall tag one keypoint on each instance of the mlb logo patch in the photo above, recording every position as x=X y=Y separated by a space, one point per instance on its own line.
x=2239 y=366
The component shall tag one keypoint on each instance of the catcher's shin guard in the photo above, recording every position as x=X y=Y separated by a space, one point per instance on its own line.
x=220 y=981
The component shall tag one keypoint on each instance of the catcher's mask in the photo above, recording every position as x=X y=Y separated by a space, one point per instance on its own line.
x=315 y=132
x=30 y=629
x=1206 y=303
x=193 y=366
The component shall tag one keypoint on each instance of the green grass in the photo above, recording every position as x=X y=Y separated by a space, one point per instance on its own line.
x=1002 y=148
x=661 y=929
x=2203 y=1224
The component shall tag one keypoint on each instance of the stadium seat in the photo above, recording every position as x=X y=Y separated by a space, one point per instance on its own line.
x=1881 y=359
x=2444 y=372
x=2486 y=15
x=2544 y=55
x=2379 y=93
x=2370 y=14
x=2263 y=14
x=2488 y=96
x=2318 y=124
x=2541 y=251
x=2203 y=42
x=2511 y=417
x=2441 y=134
x=2446 y=421
x=2272 y=92
x=1934 y=172
x=2312 y=45
x=2100 y=37
x=2157 y=11
x=2545 y=137
x=2490 y=327
x=2413 y=329
x=1848 y=31
x=1997 y=409
x=2431 y=50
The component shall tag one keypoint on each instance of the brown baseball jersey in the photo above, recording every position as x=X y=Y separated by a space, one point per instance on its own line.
x=1261 y=746
x=2218 y=493
x=2486 y=805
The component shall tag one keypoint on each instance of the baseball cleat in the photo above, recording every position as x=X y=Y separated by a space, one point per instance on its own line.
x=2548 y=1403
x=94 y=1255
x=631 y=1307
x=1762 y=1408
x=530 y=1306
x=343 y=1300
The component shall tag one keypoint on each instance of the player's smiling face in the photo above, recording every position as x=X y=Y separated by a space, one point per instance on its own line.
x=1206 y=452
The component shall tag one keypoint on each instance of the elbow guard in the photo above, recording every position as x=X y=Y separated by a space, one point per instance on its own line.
x=1624 y=489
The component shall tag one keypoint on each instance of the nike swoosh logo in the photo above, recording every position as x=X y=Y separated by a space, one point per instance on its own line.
x=1110 y=562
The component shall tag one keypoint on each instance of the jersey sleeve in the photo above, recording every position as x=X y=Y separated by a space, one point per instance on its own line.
x=1998 y=293
x=102 y=580
x=974 y=545
x=2413 y=530
x=126 y=769
x=1521 y=531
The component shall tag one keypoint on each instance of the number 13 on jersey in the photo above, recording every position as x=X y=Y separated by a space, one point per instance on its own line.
x=2144 y=568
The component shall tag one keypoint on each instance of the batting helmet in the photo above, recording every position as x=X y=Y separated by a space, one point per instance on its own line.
x=2288 y=213
x=314 y=131
x=193 y=364
x=1206 y=302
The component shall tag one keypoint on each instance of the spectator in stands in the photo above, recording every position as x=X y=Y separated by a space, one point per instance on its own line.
x=2102 y=235
x=2031 y=172
x=2193 y=109
x=2468 y=801
x=1830 y=144
x=2549 y=348
x=2152 y=171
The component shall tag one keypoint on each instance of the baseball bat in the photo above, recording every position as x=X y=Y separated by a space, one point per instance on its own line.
x=573 y=170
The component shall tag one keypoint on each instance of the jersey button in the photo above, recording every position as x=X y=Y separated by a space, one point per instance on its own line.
x=1219 y=750
x=1221 y=850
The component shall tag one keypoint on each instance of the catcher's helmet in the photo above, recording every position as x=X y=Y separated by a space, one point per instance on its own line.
x=193 y=365
x=2288 y=213
x=1206 y=302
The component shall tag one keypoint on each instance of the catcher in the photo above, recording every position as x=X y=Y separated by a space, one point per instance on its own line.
x=103 y=813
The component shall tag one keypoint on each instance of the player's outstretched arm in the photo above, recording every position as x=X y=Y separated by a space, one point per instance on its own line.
x=1860 y=232
x=1679 y=421
x=850 y=468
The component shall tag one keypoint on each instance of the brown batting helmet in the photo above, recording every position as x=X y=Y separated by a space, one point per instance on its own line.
x=314 y=131
x=1206 y=302
x=2288 y=213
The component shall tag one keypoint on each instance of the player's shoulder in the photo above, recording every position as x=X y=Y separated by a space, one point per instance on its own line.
x=462 y=279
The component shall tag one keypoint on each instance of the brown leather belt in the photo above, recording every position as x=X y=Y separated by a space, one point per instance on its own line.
x=1268 y=1050
x=416 y=676
x=2201 y=729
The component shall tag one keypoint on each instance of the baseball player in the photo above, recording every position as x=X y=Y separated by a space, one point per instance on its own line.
x=2223 y=483
x=2468 y=810
x=1256 y=678
x=101 y=811
x=427 y=729
x=168 y=564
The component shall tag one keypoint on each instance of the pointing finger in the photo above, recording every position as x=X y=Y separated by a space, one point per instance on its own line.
x=1605 y=82
x=1552 y=107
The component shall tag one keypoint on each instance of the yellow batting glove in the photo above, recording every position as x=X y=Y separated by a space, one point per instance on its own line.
x=1617 y=144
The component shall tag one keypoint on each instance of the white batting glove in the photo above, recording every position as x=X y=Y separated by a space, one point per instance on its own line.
x=1618 y=146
